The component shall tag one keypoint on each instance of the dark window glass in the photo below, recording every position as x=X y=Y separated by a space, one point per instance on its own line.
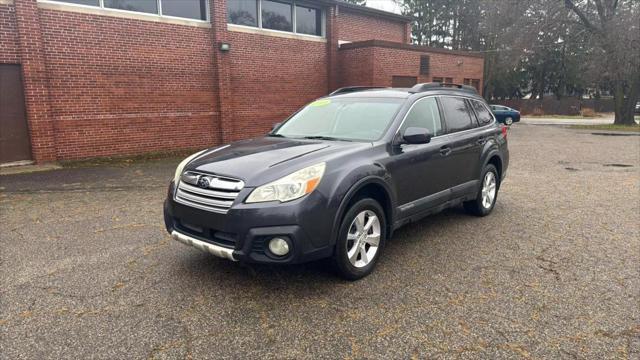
x=424 y=114
x=484 y=116
x=146 y=6
x=276 y=15
x=82 y=2
x=192 y=9
x=308 y=21
x=438 y=79
x=476 y=84
x=243 y=12
x=456 y=114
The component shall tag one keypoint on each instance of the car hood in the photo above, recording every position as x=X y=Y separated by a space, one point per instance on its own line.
x=261 y=160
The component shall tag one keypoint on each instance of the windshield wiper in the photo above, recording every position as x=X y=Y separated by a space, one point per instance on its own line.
x=321 y=137
x=276 y=135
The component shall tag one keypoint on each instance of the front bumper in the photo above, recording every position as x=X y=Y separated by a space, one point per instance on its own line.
x=213 y=249
x=242 y=234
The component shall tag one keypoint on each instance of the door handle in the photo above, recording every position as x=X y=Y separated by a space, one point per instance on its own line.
x=445 y=151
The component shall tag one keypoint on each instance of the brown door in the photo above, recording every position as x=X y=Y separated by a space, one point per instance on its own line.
x=403 y=81
x=14 y=134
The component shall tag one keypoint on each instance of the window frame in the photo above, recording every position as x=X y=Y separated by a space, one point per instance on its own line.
x=472 y=116
x=158 y=14
x=486 y=107
x=294 y=20
x=443 y=129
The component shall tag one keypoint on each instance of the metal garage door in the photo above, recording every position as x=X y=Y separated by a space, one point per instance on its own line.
x=14 y=134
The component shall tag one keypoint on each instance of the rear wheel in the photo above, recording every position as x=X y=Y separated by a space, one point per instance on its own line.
x=484 y=202
x=508 y=120
x=360 y=240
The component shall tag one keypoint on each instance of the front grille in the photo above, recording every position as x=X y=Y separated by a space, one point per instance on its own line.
x=206 y=234
x=208 y=192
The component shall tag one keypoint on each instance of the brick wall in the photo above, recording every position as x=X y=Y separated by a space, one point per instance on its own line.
x=356 y=67
x=359 y=27
x=9 y=48
x=101 y=85
x=371 y=64
x=123 y=86
x=271 y=77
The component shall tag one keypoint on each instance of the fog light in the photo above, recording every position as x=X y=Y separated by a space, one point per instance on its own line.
x=279 y=246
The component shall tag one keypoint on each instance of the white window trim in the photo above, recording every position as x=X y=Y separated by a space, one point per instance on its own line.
x=323 y=20
x=138 y=15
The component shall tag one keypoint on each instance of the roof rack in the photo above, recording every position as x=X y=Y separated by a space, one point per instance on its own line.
x=350 y=89
x=436 y=85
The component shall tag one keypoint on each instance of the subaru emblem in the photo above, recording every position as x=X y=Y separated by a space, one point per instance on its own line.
x=203 y=182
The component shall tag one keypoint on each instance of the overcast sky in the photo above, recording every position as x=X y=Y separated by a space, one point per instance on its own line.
x=388 y=5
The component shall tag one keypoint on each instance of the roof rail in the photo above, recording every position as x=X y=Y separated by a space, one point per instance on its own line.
x=350 y=89
x=436 y=85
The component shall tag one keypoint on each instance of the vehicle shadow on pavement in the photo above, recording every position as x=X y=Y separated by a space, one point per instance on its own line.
x=407 y=243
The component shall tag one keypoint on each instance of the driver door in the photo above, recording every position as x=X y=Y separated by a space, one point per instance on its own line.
x=419 y=171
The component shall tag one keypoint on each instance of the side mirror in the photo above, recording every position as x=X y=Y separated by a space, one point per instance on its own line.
x=275 y=126
x=416 y=135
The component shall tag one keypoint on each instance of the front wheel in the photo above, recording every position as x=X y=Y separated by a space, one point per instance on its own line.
x=508 y=121
x=360 y=240
x=484 y=202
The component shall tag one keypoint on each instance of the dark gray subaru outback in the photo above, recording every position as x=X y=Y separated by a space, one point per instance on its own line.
x=339 y=176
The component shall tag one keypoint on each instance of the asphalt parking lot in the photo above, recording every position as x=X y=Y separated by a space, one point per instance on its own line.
x=88 y=271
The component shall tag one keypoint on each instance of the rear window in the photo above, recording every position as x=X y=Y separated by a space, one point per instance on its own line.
x=484 y=116
x=456 y=114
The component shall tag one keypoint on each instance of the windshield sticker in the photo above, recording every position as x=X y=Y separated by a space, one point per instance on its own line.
x=323 y=102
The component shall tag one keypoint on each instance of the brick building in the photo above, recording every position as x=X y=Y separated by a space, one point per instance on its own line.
x=91 y=78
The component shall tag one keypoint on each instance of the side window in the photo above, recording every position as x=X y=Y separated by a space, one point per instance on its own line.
x=484 y=116
x=424 y=114
x=456 y=114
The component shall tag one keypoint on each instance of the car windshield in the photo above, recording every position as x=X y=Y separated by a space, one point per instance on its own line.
x=354 y=119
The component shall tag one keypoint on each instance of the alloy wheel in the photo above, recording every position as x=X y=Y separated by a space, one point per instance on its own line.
x=488 y=189
x=363 y=238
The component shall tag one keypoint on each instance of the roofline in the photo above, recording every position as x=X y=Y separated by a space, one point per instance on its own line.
x=368 y=10
x=410 y=47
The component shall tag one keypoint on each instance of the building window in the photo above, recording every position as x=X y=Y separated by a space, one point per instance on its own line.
x=82 y=2
x=276 y=16
x=424 y=64
x=438 y=79
x=185 y=9
x=473 y=82
x=243 y=12
x=190 y=9
x=280 y=15
x=146 y=6
x=308 y=20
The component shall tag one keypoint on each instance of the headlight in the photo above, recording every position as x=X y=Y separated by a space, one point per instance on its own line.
x=176 y=176
x=290 y=187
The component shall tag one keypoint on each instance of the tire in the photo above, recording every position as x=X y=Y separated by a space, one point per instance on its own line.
x=356 y=255
x=508 y=120
x=484 y=203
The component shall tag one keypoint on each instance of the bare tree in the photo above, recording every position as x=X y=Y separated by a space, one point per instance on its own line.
x=616 y=26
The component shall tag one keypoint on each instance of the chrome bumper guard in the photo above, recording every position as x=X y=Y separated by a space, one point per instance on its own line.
x=216 y=250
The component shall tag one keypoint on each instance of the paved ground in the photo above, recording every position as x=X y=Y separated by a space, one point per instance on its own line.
x=88 y=271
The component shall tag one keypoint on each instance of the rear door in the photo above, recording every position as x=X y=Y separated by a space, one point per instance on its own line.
x=464 y=142
x=14 y=134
